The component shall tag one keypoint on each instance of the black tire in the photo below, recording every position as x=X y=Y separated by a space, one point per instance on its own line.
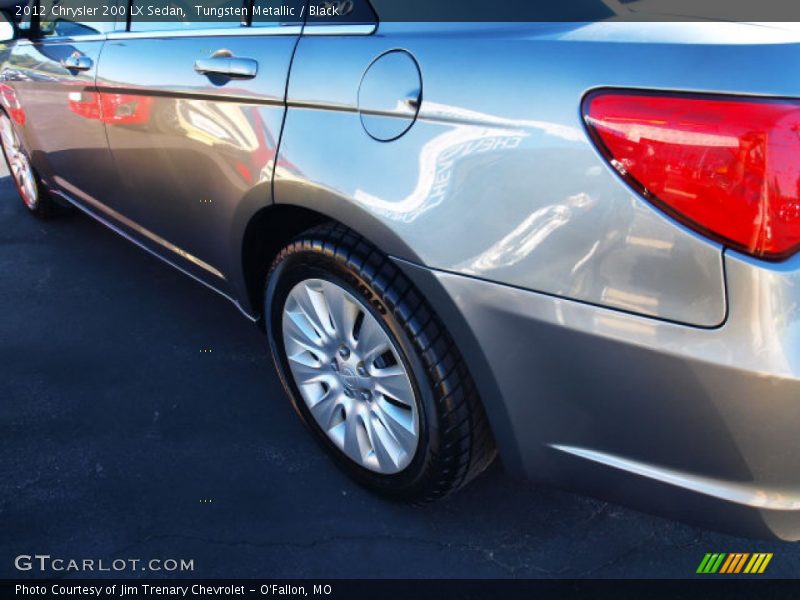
x=44 y=207
x=455 y=442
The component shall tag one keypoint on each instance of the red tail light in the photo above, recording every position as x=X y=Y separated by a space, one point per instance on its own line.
x=728 y=168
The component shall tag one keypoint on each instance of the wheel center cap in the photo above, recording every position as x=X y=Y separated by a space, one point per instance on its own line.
x=349 y=377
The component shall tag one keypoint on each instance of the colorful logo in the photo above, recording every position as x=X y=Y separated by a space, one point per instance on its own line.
x=736 y=562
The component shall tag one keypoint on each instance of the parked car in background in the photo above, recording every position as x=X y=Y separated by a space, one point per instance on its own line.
x=572 y=244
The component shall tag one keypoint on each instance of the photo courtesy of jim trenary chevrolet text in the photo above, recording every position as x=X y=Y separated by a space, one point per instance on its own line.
x=399 y=298
x=123 y=590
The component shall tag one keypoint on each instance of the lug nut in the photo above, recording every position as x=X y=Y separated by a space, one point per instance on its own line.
x=335 y=365
x=361 y=370
x=344 y=352
x=366 y=396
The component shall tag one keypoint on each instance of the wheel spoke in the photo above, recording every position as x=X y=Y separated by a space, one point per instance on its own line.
x=354 y=436
x=393 y=381
x=326 y=409
x=343 y=312
x=15 y=174
x=7 y=133
x=304 y=309
x=398 y=422
x=372 y=340
x=30 y=190
x=296 y=340
x=307 y=370
x=385 y=447
x=315 y=305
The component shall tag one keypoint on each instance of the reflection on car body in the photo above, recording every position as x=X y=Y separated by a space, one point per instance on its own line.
x=466 y=238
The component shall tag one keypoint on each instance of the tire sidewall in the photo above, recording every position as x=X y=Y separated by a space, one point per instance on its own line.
x=294 y=267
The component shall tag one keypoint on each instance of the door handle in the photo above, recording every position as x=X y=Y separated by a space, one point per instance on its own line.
x=222 y=62
x=77 y=62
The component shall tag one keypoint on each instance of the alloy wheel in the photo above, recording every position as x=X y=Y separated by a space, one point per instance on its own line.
x=350 y=375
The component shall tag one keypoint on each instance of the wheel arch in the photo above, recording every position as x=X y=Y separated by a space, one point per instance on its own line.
x=270 y=228
x=267 y=231
x=274 y=226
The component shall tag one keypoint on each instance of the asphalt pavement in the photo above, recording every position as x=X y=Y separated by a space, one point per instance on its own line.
x=122 y=439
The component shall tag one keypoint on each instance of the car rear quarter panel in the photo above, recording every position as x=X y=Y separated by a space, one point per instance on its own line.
x=497 y=178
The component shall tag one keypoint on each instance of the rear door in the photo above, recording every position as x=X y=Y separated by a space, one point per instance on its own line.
x=52 y=77
x=193 y=112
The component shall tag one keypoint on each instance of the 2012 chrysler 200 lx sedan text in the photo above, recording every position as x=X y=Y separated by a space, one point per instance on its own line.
x=570 y=244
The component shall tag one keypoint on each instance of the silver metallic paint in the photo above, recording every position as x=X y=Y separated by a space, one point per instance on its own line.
x=616 y=352
x=505 y=174
x=64 y=147
x=712 y=412
x=211 y=143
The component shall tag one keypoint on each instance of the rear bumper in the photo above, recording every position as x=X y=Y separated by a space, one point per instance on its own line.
x=698 y=424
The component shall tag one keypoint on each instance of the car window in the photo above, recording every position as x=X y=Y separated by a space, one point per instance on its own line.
x=172 y=15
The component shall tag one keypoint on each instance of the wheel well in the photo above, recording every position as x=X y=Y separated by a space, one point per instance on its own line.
x=268 y=231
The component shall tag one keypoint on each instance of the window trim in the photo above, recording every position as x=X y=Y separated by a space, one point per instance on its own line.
x=316 y=29
x=210 y=32
x=340 y=29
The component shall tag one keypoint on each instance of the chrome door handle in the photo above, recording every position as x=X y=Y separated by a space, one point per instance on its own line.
x=222 y=62
x=77 y=62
